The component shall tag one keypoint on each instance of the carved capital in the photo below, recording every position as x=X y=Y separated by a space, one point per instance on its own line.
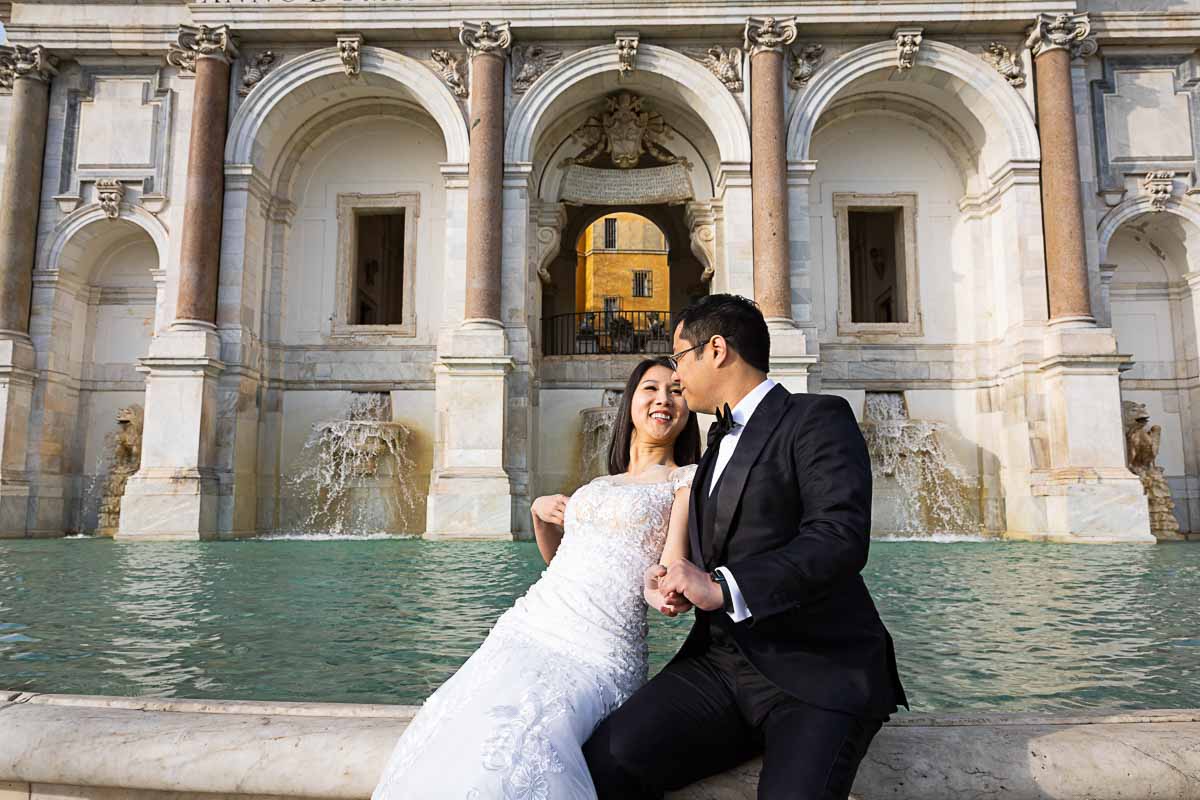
x=1006 y=63
x=627 y=48
x=724 y=62
x=451 y=68
x=34 y=63
x=109 y=194
x=769 y=33
x=529 y=63
x=256 y=69
x=349 y=47
x=804 y=64
x=1159 y=185
x=485 y=38
x=1062 y=32
x=192 y=43
x=908 y=44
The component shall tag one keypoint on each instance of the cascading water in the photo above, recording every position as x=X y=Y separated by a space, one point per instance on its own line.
x=598 y=423
x=356 y=472
x=917 y=490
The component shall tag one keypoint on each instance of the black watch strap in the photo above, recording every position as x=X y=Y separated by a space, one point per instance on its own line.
x=719 y=579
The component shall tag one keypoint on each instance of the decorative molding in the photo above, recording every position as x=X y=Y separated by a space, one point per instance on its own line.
x=255 y=70
x=349 y=48
x=451 y=68
x=908 y=44
x=627 y=48
x=485 y=38
x=549 y=221
x=724 y=62
x=529 y=62
x=804 y=64
x=1159 y=185
x=109 y=194
x=1062 y=32
x=349 y=206
x=1006 y=63
x=702 y=236
x=1112 y=169
x=768 y=33
x=17 y=61
x=195 y=42
x=907 y=270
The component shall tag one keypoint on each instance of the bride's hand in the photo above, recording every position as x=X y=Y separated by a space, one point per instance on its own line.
x=550 y=508
x=671 y=604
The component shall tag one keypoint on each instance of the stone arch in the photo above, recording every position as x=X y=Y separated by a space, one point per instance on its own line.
x=710 y=99
x=1136 y=207
x=68 y=246
x=380 y=67
x=983 y=92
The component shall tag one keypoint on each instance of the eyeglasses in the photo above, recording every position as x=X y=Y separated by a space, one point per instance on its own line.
x=674 y=359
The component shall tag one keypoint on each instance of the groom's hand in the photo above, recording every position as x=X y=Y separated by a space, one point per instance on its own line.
x=685 y=578
x=670 y=603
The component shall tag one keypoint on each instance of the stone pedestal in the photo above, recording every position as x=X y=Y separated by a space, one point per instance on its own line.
x=1087 y=494
x=16 y=400
x=174 y=493
x=470 y=494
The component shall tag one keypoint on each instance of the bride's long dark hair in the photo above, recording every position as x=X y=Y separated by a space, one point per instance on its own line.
x=687 y=445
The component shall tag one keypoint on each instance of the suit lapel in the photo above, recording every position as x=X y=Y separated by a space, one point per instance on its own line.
x=751 y=441
x=697 y=503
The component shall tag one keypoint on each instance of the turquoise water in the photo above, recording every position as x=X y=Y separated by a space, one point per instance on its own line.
x=978 y=625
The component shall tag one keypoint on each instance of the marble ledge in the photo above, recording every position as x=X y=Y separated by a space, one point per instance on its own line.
x=59 y=746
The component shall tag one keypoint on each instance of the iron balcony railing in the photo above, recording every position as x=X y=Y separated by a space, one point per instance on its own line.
x=606 y=332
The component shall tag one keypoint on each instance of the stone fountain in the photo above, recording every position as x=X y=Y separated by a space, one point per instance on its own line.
x=123 y=452
x=355 y=471
x=917 y=489
x=597 y=425
x=1141 y=452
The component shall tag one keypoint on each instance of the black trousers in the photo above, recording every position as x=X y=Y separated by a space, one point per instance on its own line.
x=704 y=715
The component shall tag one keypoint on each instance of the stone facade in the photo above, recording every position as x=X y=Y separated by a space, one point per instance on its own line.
x=178 y=179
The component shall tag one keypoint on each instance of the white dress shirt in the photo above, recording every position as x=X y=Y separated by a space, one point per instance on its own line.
x=741 y=414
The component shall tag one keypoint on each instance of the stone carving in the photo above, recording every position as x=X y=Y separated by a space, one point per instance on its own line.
x=769 y=33
x=192 y=43
x=702 y=235
x=531 y=61
x=485 y=38
x=804 y=64
x=1004 y=62
x=1141 y=450
x=109 y=194
x=627 y=47
x=724 y=62
x=451 y=68
x=256 y=69
x=349 y=47
x=17 y=61
x=1062 y=32
x=1159 y=186
x=908 y=43
x=624 y=132
x=605 y=187
x=124 y=446
x=550 y=219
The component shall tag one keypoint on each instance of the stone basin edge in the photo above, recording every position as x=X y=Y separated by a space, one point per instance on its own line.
x=81 y=746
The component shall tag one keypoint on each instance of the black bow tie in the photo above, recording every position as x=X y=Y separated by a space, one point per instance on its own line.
x=722 y=426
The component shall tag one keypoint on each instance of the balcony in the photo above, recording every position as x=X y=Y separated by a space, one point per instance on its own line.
x=592 y=333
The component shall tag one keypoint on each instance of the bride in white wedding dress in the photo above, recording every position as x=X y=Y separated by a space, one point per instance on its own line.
x=512 y=721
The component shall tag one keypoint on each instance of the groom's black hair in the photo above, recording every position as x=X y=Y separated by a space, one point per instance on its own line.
x=687 y=446
x=734 y=317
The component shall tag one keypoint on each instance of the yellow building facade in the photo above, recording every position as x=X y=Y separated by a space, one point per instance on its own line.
x=621 y=265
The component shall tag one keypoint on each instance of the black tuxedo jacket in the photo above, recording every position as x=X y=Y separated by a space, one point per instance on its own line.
x=792 y=523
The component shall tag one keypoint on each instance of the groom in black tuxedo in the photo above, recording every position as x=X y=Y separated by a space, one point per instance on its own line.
x=788 y=657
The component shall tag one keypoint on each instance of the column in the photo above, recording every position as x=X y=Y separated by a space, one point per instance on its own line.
x=28 y=70
x=1080 y=489
x=471 y=495
x=174 y=494
x=766 y=38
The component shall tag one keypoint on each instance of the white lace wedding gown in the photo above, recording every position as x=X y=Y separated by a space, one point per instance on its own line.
x=510 y=724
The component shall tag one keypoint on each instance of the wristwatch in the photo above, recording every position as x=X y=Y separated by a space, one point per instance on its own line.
x=719 y=579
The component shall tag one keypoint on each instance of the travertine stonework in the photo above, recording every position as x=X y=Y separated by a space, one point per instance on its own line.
x=171 y=236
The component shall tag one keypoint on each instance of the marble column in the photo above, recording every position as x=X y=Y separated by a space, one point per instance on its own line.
x=766 y=38
x=1055 y=40
x=471 y=494
x=175 y=493
x=488 y=44
x=28 y=71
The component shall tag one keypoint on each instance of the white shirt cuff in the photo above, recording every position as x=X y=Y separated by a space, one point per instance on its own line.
x=740 y=611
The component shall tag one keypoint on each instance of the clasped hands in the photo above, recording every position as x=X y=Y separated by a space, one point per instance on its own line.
x=674 y=590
